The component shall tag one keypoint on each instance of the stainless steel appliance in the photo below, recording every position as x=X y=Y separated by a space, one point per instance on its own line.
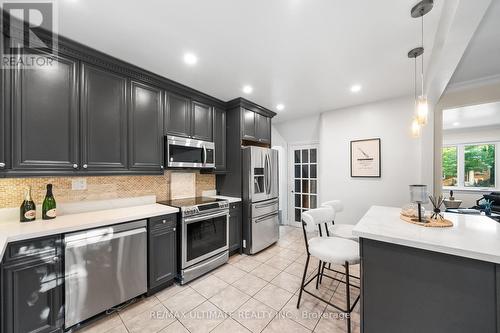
x=189 y=153
x=260 y=198
x=204 y=235
x=104 y=267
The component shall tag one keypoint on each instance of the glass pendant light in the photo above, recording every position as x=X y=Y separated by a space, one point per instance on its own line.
x=419 y=10
x=416 y=126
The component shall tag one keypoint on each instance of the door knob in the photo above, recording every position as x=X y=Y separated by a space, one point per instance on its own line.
x=85 y=166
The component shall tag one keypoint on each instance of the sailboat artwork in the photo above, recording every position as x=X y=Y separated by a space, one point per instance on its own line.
x=365 y=158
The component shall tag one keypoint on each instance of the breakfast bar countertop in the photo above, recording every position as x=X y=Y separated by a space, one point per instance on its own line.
x=11 y=231
x=471 y=236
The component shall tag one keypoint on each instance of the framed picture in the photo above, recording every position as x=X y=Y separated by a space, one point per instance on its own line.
x=365 y=158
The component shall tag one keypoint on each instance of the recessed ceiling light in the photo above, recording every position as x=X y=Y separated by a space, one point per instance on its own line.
x=356 y=88
x=456 y=123
x=190 y=59
x=247 y=89
x=280 y=107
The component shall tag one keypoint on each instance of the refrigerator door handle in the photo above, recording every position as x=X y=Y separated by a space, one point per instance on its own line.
x=269 y=173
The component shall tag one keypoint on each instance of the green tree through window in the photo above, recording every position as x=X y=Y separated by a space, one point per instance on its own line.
x=450 y=166
x=479 y=165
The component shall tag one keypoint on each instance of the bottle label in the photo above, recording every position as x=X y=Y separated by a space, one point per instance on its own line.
x=30 y=214
x=51 y=213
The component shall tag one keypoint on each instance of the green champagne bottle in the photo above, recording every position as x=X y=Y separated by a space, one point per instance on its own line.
x=28 y=208
x=49 y=205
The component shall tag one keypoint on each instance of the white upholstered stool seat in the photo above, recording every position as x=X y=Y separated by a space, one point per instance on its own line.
x=334 y=250
x=342 y=231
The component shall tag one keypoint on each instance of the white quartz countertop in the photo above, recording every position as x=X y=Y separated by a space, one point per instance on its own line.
x=472 y=236
x=11 y=231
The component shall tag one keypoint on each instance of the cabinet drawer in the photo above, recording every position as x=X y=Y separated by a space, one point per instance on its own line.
x=33 y=248
x=161 y=222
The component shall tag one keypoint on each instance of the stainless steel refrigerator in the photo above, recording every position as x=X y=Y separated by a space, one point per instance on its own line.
x=260 y=198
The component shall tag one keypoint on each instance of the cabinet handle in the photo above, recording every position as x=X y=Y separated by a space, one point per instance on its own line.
x=173 y=229
x=164 y=221
x=2 y=165
x=55 y=259
x=75 y=166
x=162 y=167
x=85 y=166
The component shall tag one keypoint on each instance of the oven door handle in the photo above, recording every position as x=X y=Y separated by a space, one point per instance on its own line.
x=204 y=217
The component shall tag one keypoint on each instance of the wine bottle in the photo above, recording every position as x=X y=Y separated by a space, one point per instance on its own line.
x=49 y=205
x=28 y=207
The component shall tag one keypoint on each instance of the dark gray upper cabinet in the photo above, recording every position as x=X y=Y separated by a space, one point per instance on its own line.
x=4 y=164
x=202 y=121
x=262 y=128
x=104 y=119
x=220 y=139
x=248 y=125
x=162 y=243
x=145 y=128
x=45 y=109
x=178 y=115
x=32 y=287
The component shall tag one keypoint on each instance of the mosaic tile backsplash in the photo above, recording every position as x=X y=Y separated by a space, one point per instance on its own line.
x=98 y=188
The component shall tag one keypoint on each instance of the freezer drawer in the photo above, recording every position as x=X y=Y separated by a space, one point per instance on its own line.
x=264 y=208
x=265 y=231
x=103 y=268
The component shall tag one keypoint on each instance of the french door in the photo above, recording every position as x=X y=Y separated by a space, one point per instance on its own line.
x=303 y=181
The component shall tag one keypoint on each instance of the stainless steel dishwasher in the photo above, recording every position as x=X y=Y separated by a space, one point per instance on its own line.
x=104 y=267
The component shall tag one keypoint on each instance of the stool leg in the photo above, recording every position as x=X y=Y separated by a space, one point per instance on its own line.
x=303 y=280
x=348 y=297
x=322 y=272
x=319 y=274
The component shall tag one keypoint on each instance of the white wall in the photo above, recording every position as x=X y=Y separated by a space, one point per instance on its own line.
x=280 y=144
x=301 y=130
x=400 y=156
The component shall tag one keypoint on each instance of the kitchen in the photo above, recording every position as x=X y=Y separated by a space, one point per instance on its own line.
x=176 y=186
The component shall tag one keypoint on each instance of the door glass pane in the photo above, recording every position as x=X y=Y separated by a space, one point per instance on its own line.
x=305 y=186
x=305 y=201
x=297 y=171
x=297 y=215
x=313 y=158
x=205 y=236
x=313 y=186
x=297 y=200
x=305 y=156
x=297 y=186
x=313 y=171
x=297 y=156
x=305 y=171
x=313 y=201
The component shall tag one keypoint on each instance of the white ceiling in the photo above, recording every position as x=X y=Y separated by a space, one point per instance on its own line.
x=472 y=116
x=482 y=56
x=304 y=54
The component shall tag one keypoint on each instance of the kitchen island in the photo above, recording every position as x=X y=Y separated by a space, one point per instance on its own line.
x=419 y=279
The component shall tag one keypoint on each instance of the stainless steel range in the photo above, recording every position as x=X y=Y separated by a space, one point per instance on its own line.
x=204 y=235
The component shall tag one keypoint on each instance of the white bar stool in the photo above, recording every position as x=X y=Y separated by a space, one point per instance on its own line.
x=329 y=250
x=341 y=230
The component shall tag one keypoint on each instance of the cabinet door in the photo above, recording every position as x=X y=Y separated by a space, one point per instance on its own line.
x=202 y=121
x=32 y=296
x=263 y=128
x=178 y=115
x=4 y=75
x=220 y=139
x=45 y=111
x=146 y=128
x=104 y=119
x=235 y=227
x=162 y=256
x=248 y=125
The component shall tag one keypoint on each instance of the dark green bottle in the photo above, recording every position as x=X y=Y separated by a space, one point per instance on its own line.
x=49 y=205
x=28 y=208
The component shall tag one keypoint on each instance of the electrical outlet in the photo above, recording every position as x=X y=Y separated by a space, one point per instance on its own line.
x=79 y=184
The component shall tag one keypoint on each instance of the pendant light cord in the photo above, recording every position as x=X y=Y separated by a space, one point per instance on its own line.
x=422 y=72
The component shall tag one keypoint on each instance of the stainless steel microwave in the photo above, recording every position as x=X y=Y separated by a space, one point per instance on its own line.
x=189 y=153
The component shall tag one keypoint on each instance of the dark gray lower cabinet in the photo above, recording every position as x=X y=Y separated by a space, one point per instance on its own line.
x=146 y=128
x=235 y=227
x=32 y=291
x=162 y=252
x=104 y=119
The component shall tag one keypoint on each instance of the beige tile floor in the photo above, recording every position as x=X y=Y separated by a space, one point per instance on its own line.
x=249 y=294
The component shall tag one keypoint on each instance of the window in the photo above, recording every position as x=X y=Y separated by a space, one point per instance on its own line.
x=479 y=163
x=469 y=165
x=450 y=167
